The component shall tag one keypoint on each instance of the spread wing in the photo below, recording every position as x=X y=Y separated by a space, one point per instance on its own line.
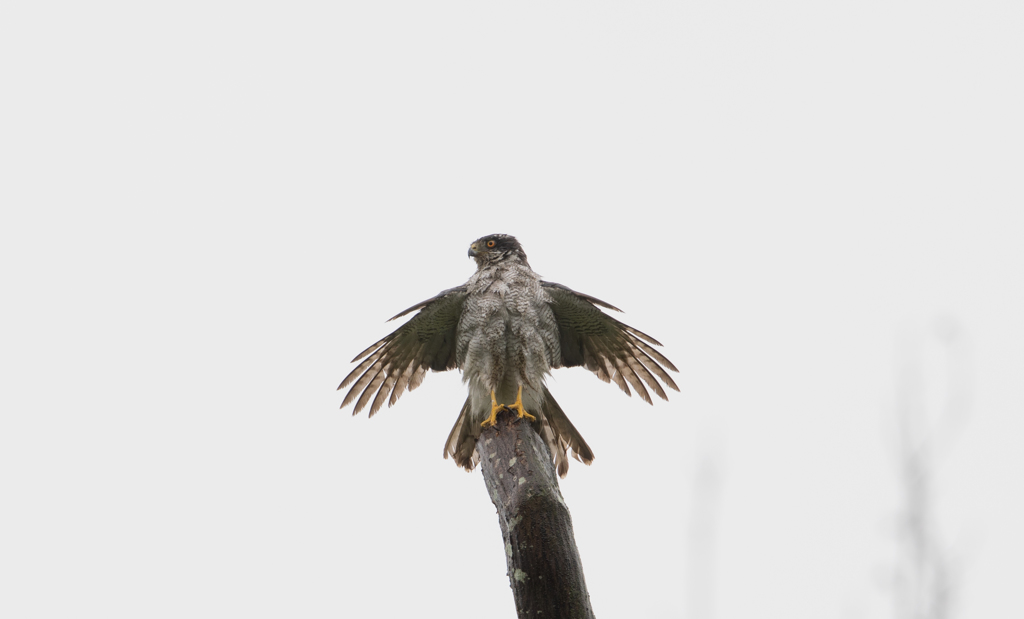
x=612 y=350
x=401 y=359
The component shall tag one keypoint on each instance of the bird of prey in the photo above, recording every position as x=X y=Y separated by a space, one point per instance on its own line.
x=506 y=329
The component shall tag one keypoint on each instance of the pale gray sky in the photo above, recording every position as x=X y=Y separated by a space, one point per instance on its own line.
x=209 y=208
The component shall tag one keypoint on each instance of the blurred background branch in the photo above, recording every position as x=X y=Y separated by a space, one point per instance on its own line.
x=932 y=402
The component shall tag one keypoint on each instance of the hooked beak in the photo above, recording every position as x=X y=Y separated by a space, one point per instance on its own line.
x=472 y=251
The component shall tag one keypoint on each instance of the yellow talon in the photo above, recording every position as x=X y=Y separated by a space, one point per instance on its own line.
x=496 y=408
x=518 y=406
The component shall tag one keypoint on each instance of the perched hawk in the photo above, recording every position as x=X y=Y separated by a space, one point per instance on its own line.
x=506 y=329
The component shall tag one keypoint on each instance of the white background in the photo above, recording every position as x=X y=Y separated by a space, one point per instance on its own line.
x=210 y=207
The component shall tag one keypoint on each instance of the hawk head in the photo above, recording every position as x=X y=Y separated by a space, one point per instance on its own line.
x=494 y=248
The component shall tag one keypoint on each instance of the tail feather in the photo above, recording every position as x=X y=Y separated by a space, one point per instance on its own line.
x=560 y=435
x=461 y=443
x=552 y=424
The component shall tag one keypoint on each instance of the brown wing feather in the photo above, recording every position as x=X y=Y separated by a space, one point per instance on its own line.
x=398 y=362
x=610 y=349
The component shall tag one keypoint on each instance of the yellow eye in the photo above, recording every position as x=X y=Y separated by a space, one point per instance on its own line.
x=490 y=243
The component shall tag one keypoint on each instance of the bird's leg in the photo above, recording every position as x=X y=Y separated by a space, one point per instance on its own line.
x=495 y=408
x=518 y=406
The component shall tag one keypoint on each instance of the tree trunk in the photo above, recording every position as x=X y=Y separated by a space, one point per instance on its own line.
x=544 y=567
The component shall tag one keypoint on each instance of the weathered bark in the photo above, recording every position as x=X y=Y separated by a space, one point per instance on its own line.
x=544 y=567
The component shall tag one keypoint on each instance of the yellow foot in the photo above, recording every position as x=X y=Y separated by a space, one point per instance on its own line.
x=517 y=408
x=495 y=409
